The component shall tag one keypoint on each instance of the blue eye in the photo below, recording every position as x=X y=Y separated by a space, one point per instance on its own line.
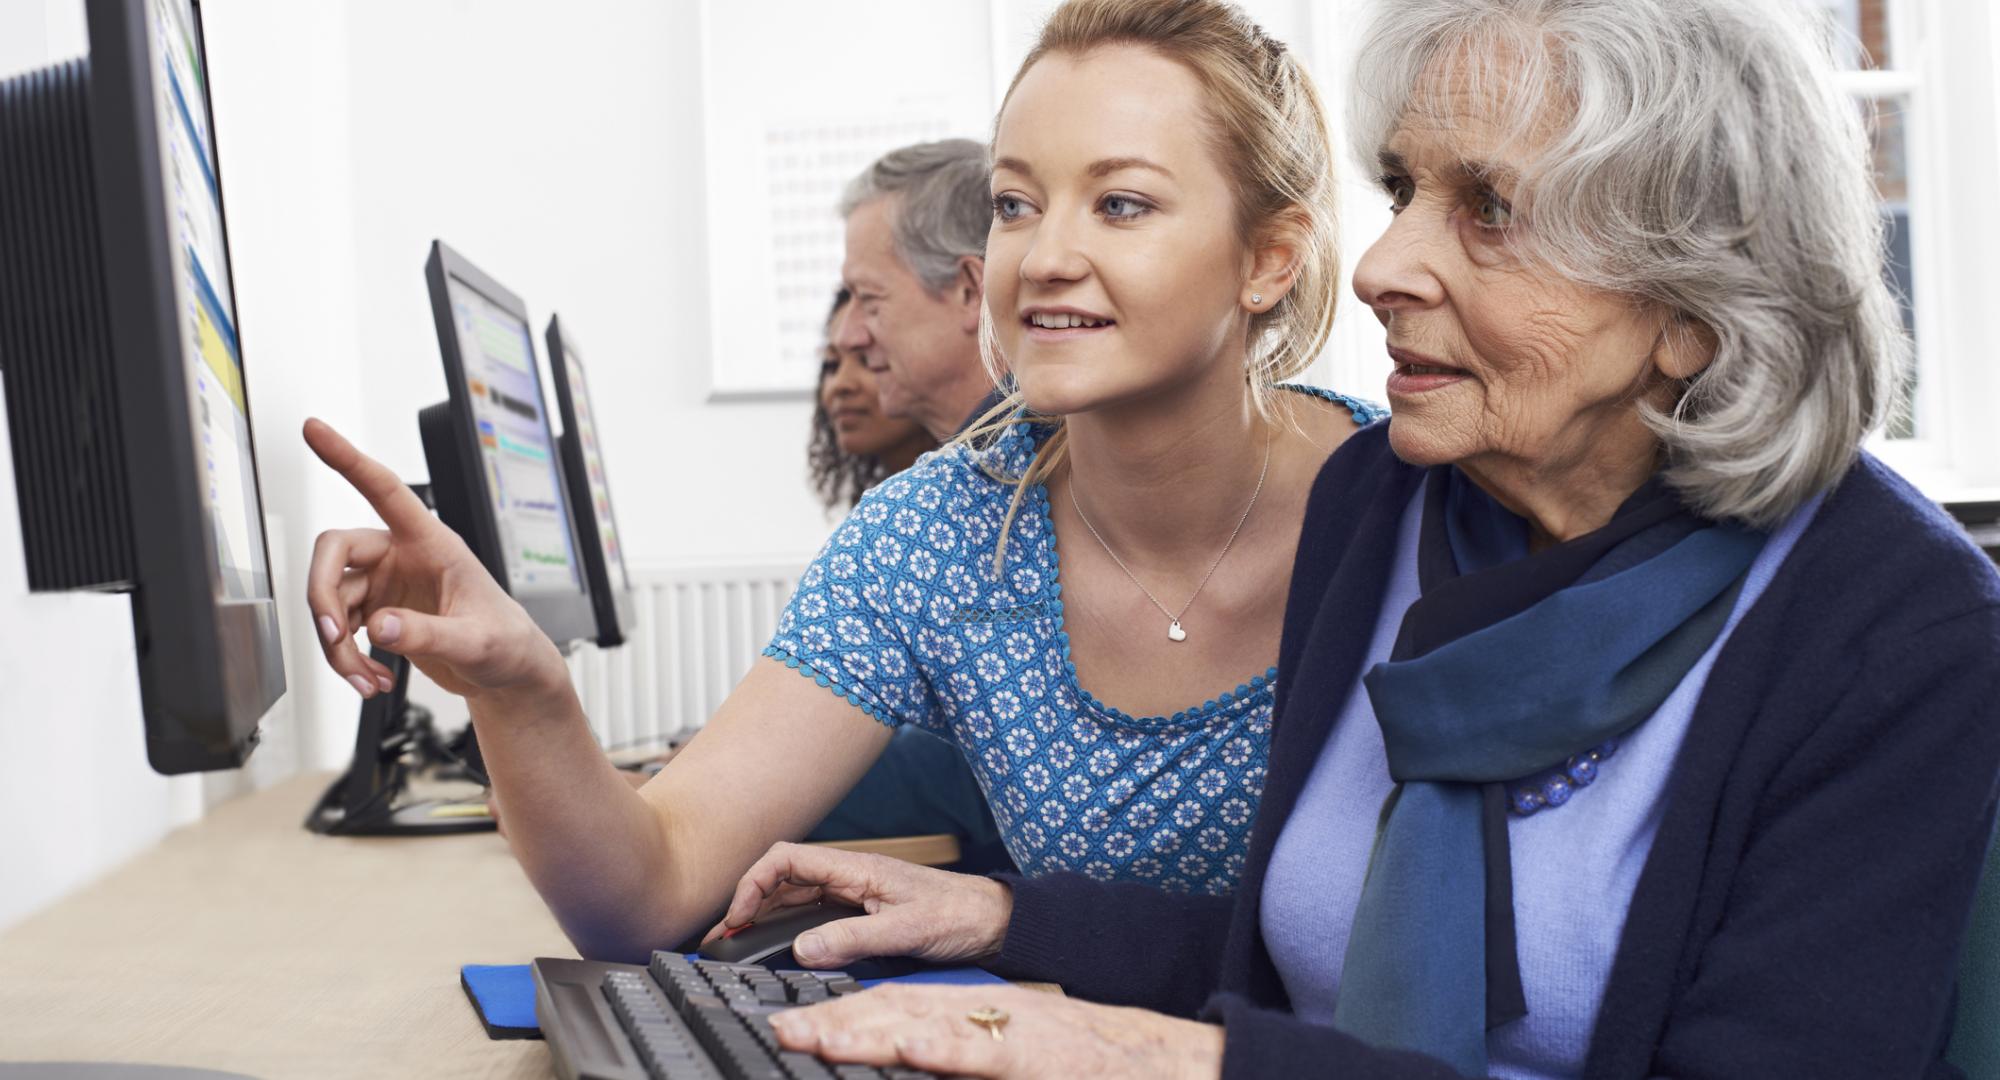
x=1122 y=207
x=1008 y=207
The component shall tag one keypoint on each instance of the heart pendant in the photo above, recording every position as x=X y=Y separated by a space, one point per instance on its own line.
x=1175 y=633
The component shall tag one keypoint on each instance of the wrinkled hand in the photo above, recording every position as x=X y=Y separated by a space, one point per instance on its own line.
x=912 y=910
x=926 y=1027
x=419 y=591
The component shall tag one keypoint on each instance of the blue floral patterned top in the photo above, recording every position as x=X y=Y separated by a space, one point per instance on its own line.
x=901 y=614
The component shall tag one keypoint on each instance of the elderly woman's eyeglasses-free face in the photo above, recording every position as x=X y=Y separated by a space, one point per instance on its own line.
x=1498 y=362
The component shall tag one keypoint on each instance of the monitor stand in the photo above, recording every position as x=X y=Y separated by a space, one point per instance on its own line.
x=394 y=741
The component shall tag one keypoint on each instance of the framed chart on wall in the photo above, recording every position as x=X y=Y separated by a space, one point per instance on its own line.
x=798 y=97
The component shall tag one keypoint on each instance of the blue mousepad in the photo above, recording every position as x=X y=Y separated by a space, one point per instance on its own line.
x=503 y=995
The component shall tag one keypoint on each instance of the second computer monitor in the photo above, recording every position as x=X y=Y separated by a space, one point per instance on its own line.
x=492 y=454
x=590 y=491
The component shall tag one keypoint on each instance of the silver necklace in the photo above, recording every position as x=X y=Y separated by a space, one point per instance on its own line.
x=1174 y=630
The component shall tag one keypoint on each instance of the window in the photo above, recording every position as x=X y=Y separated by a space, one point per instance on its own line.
x=1922 y=72
x=1887 y=84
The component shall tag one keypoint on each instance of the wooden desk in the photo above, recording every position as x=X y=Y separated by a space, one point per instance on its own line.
x=940 y=849
x=247 y=944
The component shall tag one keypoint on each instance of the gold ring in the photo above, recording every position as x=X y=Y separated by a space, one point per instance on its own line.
x=991 y=1019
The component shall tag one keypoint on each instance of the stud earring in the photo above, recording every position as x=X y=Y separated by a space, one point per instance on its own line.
x=1256 y=298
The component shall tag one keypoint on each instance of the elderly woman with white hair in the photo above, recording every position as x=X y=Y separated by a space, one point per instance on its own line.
x=1671 y=745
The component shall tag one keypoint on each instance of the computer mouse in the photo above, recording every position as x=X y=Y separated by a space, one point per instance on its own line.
x=763 y=942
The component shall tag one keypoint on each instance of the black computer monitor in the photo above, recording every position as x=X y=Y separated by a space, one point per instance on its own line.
x=583 y=466
x=495 y=480
x=133 y=451
x=492 y=451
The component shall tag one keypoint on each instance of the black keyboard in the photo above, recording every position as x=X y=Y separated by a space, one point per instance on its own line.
x=675 y=1019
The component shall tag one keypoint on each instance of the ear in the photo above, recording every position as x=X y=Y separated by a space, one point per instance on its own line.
x=1685 y=348
x=1274 y=265
x=969 y=291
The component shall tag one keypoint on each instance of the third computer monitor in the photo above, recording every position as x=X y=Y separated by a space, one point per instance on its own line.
x=583 y=464
x=494 y=472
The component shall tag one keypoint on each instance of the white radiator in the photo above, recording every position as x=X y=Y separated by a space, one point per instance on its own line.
x=697 y=630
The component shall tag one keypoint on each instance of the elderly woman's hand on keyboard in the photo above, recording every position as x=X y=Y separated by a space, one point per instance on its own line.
x=1001 y=1032
x=912 y=910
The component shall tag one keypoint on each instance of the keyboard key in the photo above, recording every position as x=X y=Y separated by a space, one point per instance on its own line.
x=804 y=1066
x=754 y=1067
x=704 y=1020
x=766 y=1039
x=666 y=963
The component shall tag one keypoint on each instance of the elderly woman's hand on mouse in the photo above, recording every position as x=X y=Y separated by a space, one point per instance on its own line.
x=950 y=1030
x=912 y=910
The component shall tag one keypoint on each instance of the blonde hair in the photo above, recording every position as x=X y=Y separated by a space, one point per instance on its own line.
x=1269 y=131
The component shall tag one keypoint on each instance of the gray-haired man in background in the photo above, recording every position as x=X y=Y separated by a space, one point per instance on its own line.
x=916 y=246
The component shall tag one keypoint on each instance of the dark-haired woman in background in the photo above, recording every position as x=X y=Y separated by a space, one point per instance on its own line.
x=854 y=446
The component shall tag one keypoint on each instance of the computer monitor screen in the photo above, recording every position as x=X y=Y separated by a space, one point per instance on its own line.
x=515 y=447
x=212 y=356
x=593 y=465
x=495 y=477
x=127 y=404
x=583 y=466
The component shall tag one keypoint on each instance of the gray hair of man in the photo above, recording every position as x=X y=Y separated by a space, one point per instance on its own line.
x=946 y=207
x=1695 y=154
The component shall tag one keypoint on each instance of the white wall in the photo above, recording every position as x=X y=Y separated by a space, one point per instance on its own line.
x=560 y=149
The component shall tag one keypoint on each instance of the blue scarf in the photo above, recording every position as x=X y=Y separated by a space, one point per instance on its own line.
x=1508 y=663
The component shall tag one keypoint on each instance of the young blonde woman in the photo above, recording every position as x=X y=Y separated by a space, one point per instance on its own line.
x=1161 y=259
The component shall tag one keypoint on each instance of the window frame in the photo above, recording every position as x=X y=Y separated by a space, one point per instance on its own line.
x=1950 y=134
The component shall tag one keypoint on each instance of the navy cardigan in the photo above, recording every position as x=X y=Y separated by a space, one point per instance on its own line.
x=1801 y=910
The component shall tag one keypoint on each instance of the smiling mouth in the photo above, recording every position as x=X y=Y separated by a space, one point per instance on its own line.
x=1052 y=320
